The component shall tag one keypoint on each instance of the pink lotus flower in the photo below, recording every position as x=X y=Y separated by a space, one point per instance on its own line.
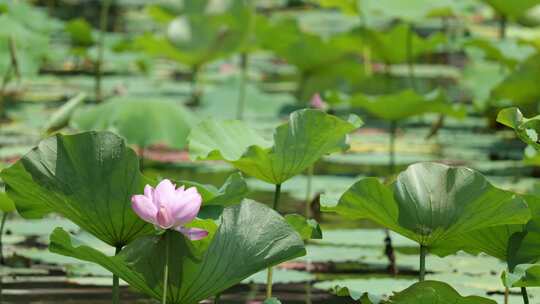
x=317 y=102
x=168 y=207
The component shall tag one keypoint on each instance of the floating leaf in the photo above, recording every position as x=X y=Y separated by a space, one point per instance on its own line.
x=430 y=203
x=88 y=178
x=309 y=135
x=433 y=292
x=250 y=238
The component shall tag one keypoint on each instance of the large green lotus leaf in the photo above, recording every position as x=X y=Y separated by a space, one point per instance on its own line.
x=508 y=51
x=80 y=33
x=434 y=292
x=406 y=104
x=520 y=87
x=88 y=178
x=140 y=122
x=390 y=46
x=31 y=47
x=250 y=238
x=527 y=129
x=347 y=6
x=512 y=9
x=412 y=11
x=495 y=241
x=426 y=292
x=309 y=135
x=297 y=47
x=203 y=34
x=479 y=78
x=430 y=203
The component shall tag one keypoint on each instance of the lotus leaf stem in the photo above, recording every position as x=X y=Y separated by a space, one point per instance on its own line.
x=216 y=298
x=103 y=21
x=423 y=252
x=525 y=295
x=116 y=282
x=277 y=193
x=409 y=51
x=242 y=88
x=4 y=218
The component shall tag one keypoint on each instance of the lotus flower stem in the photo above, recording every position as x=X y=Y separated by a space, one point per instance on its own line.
x=423 y=252
x=166 y=269
x=116 y=282
x=525 y=295
x=277 y=193
x=308 y=190
x=103 y=21
x=242 y=88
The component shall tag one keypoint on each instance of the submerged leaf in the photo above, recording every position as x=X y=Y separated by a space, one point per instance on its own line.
x=250 y=238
